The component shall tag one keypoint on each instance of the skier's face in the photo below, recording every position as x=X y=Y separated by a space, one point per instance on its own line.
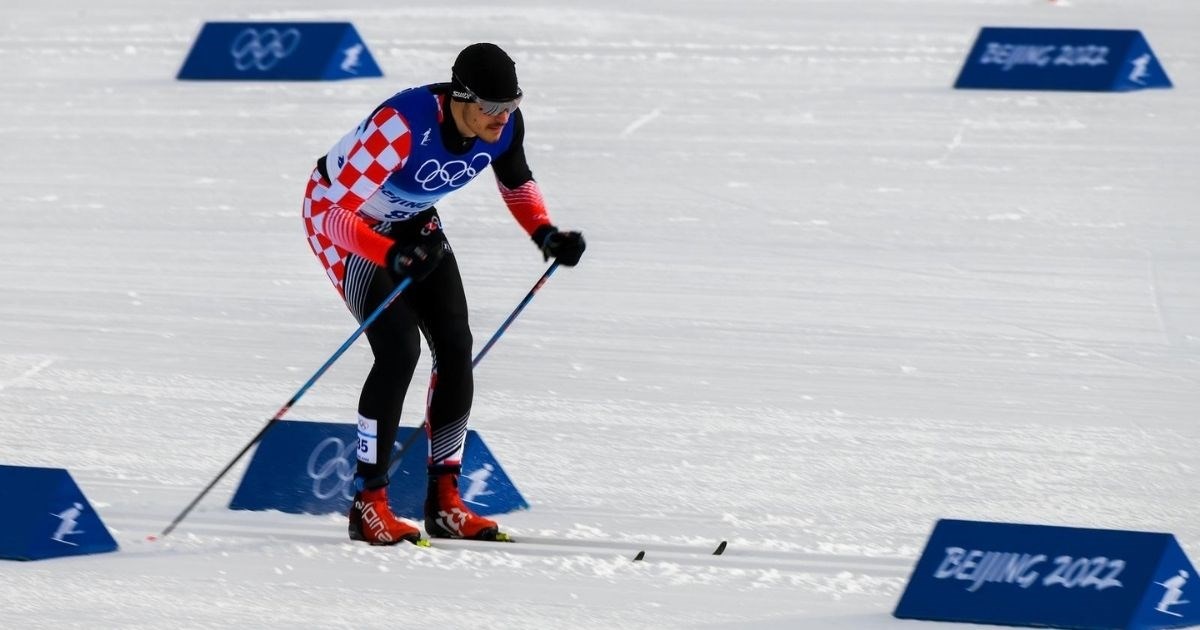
x=485 y=127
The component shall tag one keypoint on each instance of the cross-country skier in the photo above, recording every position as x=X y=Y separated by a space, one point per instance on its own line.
x=370 y=218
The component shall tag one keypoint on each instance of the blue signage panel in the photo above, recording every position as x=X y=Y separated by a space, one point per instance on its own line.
x=1063 y=577
x=1101 y=60
x=1171 y=594
x=47 y=516
x=308 y=468
x=282 y=51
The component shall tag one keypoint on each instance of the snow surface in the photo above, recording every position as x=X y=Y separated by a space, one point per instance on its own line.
x=827 y=300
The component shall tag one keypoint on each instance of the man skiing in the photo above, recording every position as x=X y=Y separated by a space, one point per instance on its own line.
x=370 y=218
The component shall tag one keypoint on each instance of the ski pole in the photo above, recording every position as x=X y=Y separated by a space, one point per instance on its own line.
x=412 y=437
x=292 y=401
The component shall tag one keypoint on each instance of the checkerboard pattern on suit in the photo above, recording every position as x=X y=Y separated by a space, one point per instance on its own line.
x=334 y=227
x=383 y=146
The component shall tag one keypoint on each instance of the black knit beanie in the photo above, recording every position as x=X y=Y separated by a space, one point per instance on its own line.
x=486 y=70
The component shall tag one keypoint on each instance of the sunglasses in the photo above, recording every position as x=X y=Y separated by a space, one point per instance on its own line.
x=489 y=107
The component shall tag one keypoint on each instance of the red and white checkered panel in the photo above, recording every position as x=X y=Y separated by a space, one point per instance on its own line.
x=382 y=147
x=334 y=233
x=335 y=228
x=316 y=207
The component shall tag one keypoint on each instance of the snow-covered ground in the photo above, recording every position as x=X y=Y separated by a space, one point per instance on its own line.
x=827 y=300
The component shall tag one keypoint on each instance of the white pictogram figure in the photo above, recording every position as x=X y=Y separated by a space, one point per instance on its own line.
x=350 y=61
x=67 y=527
x=1141 y=69
x=1173 y=595
x=478 y=486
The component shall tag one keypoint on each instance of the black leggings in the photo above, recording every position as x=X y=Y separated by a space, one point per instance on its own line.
x=435 y=307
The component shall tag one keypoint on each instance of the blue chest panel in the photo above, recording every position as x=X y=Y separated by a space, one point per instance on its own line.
x=431 y=171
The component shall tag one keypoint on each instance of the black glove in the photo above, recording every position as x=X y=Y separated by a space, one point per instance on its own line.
x=565 y=247
x=415 y=261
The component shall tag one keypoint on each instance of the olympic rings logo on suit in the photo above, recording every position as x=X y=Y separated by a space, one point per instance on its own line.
x=263 y=49
x=433 y=174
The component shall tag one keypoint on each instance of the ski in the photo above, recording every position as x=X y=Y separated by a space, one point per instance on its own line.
x=641 y=554
x=692 y=555
x=500 y=537
x=638 y=550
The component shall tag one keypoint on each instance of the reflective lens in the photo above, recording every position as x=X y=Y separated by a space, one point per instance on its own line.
x=495 y=108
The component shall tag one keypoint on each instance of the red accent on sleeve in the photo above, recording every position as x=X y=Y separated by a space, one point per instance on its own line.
x=348 y=231
x=526 y=204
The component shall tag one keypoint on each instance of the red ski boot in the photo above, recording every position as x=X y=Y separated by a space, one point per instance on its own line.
x=447 y=517
x=372 y=521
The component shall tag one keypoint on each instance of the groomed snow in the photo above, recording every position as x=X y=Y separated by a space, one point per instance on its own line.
x=827 y=301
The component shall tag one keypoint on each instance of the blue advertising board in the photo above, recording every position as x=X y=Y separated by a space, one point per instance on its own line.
x=1102 y=60
x=45 y=515
x=1062 y=577
x=280 y=51
x=308 y=468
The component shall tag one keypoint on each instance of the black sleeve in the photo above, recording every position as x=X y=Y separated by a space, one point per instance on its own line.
x=510 y=167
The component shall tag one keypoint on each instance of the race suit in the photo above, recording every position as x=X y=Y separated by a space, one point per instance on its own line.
x=377 y=186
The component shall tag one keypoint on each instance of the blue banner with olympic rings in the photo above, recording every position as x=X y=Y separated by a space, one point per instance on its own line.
x=279 y=51
x=308 y=468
